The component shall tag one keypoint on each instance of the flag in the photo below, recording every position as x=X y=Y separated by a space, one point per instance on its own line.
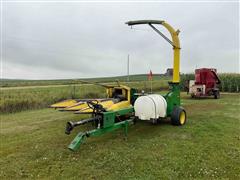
x=150 y=75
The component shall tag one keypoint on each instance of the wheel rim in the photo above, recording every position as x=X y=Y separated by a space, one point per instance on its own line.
x=182 y=117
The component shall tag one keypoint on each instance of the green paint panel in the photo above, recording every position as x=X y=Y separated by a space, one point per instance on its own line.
x=133 y=96
x=108 y=119
x=124 y=111
x=172 y=97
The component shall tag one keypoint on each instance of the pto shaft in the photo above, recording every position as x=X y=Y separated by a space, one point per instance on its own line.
x=70 y=125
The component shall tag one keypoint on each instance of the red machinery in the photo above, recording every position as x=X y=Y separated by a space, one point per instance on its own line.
x=205 y=83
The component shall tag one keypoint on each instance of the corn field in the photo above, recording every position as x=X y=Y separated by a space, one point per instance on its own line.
x=15 y=100
x=230 y=82
x=25 y=98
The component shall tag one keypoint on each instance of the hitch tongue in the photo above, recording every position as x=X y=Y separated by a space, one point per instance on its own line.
x=78 y=140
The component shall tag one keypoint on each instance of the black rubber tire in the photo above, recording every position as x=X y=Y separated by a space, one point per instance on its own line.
x=216 y=95
x=175 y=117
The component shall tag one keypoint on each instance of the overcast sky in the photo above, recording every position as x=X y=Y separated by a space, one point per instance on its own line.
x=78 y=40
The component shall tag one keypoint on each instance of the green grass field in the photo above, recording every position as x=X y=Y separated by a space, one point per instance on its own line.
x=33 y=145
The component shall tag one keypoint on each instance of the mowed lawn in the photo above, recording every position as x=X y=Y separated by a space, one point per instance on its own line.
x=33 y=145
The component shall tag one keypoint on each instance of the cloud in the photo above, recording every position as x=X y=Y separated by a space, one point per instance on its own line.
x=74 y=40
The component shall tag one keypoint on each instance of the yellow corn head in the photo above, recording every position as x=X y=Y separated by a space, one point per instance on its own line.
x=118 y=97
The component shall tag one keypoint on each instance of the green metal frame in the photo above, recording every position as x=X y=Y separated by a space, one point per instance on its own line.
x=172 y=97
x=109 y=124
x=110 y=118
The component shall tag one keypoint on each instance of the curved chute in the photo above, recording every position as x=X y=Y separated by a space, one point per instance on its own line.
x=175 y=42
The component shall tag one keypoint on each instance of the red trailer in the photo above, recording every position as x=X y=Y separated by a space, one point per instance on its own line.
x=205 y=83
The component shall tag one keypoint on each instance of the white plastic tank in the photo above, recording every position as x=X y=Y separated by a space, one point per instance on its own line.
x=150 y=107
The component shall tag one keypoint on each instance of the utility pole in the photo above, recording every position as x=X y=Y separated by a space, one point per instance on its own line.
x=128 y=68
